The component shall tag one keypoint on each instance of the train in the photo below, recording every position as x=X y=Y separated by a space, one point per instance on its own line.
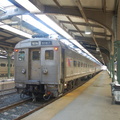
x=47 y=67
x=4 y=67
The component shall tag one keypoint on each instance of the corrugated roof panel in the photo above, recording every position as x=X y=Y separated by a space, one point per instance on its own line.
x=5 y=34
x=77 y=19
x=81 y=27
x=92 y=3
x=98 y=30
x=66 y=2
x=47 y=2
x=70 y=26
x=61 y=17
x=110 y=4
x=14 y=40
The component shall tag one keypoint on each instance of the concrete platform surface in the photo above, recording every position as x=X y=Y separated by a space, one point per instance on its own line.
x=7 y=85
x=91 y=101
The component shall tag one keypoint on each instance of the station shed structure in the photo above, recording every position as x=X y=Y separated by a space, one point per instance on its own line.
x=92 y=27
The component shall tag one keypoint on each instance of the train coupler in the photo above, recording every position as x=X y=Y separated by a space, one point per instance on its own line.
x=47 y=95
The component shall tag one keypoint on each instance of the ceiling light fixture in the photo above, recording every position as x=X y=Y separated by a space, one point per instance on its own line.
x=14 y=30
x=56 y=27
x=29 y=6
x=97 y=49
x=88 y=30
x=37 y=24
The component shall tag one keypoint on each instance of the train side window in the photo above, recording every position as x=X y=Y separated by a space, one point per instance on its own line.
x=81 y=64
x=84 y=65
x=75 y=63
x=21 y=56
x=10 y=65
x=49 y=54
x=78 y=64
x=36 y=55
x=3 y=64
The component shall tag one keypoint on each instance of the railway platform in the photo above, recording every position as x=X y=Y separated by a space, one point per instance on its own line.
x=91 y=101
x=6 y=83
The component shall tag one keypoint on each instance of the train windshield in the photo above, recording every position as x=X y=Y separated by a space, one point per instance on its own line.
x=36 y=55
x=21 y=56
x=49 y=55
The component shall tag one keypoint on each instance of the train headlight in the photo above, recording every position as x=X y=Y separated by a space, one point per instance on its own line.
x=45 y=71
x=23 y=71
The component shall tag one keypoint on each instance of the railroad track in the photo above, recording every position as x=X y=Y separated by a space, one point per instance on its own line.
x=7 y=92
x=26 y=107
x=13 y=105
x=47 y=103
x=11 y=112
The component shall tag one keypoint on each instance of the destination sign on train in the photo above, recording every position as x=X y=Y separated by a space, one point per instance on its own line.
x=34 y=43
x=46 y=42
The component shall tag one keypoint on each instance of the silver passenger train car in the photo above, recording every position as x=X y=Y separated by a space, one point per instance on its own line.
x=4 y=67
x=47 y=67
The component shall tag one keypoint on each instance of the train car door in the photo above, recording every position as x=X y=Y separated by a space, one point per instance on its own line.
x=35 y=66
x=51 y=62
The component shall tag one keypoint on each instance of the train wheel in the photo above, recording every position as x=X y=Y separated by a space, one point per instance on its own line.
x=73 y=83
x=22 y=95
x=69 y=85
x=76 y=82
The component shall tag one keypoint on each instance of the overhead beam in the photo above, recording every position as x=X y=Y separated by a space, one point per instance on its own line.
x=105 y=54
x=74 y=25
x=6 y=44
x=38 y=4
x=12 y=11
x=93 y=47
x=106 y=58
x=104 y=5
x=101 y=41
x=80 y=23
x=116 y=6
x=105 y=19
x=6 y=38
x=97 y=15
x=57 y=3
x=89 y=38
x=95 y=33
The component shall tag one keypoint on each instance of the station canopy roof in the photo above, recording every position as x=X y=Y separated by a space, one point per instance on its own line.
x=86 y=24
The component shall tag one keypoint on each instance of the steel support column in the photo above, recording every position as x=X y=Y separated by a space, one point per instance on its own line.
x=110 y=65
x=112 y=68
x=117 y=46
x=9 y=61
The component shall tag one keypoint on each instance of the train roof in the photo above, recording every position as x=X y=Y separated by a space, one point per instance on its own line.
x=37 y=42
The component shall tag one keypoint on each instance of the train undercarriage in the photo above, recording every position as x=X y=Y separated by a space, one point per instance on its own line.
x=46 y=91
